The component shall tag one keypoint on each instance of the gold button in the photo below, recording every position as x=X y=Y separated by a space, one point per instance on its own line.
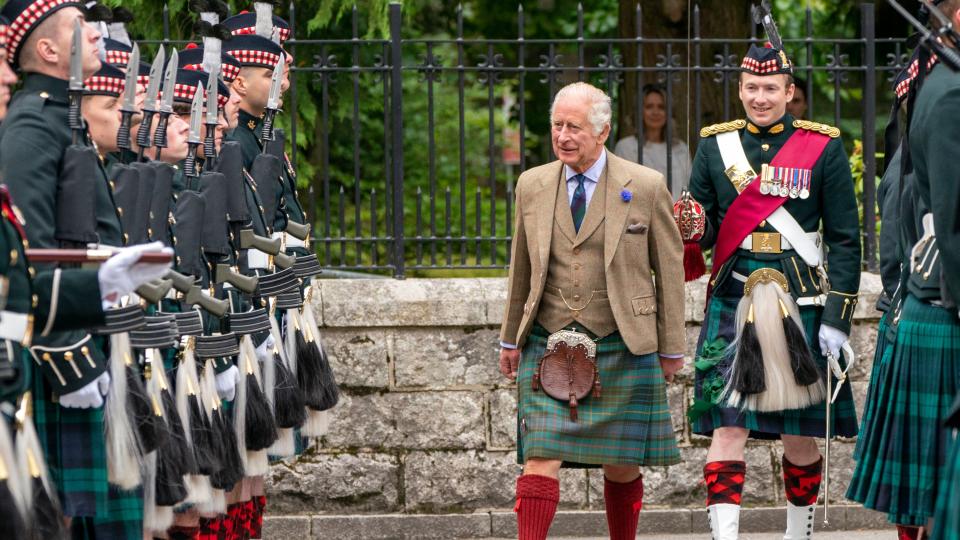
x=68 y=356
x=120 y=211
x=44 y=95
x=576 y=251
x=126 y=238
x=35 y=300
x=113 y=186
x=33 y=272
x=47 y=357
x=14 y=256
x=764 y=147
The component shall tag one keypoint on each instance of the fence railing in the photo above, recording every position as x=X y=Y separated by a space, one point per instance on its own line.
x=412 y=145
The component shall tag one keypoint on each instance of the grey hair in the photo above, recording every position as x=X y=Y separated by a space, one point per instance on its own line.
x=600 y=111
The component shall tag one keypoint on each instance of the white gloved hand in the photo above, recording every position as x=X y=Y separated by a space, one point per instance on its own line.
x=265 y=350
x=831 y=340
x=89 y=396
x=121 y=274
x=227 y=383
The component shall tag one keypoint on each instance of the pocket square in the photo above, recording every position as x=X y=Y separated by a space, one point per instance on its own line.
x=637 y=228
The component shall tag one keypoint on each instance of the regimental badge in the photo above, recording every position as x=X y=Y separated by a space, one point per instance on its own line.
x=785 y=182
x=740 y=178
x=783 y=59
x=252 y=124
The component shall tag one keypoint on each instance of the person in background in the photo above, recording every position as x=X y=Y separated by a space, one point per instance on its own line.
x=797 y=107
x=655 y=145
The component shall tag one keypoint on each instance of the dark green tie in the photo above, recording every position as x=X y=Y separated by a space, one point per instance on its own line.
x=578 y=206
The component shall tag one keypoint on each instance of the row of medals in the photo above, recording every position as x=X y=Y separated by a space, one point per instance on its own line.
x=785 y=182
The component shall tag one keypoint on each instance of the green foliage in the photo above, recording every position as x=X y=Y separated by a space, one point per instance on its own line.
x=857 y=169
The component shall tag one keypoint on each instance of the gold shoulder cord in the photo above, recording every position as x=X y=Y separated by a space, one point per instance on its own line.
x=817 y=127
x=724 y=127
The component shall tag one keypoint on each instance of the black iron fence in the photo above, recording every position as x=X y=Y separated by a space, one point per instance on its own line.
x=409 y=148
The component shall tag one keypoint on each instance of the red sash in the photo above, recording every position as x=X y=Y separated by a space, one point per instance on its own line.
x=750 y=208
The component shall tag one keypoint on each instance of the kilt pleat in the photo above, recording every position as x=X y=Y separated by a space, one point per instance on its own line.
x=628 y=424
x=946 y=521
x=121 y=518
x=720 y=322
x=872 y=411
x=902 y=460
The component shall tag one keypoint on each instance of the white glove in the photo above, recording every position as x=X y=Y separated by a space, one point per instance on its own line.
x=89 y=396
x=831 y=340
x=265 y=350
x=227 y=383
x=121 y=274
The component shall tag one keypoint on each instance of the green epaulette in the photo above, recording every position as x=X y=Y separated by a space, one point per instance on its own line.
x=723 y=127
x=817 y=127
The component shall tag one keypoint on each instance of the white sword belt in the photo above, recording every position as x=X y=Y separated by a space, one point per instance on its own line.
x=15 y=326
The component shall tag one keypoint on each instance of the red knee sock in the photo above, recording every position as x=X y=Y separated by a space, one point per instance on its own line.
x=210 y=529
x=802 y=483
x=537 y=498
x=623 y=503
x=259 y=505
x=724 y=481
x=231 y=523
x=908 y=533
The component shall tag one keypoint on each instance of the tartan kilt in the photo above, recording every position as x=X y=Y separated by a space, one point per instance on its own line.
x=902 y=460
x=75 y=449
x=122 y=519
x=720 y=322
x=871 y=410
x=946 y=520
x=628 y=424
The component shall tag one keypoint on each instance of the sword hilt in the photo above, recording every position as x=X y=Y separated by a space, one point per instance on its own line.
x=123 y=134
x=143 y=134
x=160 y=135
x=190 y=164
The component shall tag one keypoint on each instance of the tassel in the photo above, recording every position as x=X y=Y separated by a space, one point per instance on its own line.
x=13 y=524
x=195 y=426
x=45 y=519
x=314 y=373
x=748 y=371
x=260 y=429
x=168 y=461
x=223 y=438
x=123 y=451
x=289 y=407
x=693 y=263
x=805 y=370
x=151 y=428
x=317 y=424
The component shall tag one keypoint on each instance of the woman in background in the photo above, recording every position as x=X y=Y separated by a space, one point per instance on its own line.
x=655 y=142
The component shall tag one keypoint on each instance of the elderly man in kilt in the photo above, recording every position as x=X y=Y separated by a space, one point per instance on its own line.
x=773 y=308
x=594 y=298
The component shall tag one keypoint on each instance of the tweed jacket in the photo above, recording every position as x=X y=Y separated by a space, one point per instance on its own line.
x=642 y=256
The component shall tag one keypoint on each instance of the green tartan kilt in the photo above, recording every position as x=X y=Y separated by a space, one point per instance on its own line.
x=122 y=519
x=902 y=458
x=871 y=409
x=946 y=521
x=720 y=322
x=628 y=424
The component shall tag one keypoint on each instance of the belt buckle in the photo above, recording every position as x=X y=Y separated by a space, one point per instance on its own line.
x=765 y=242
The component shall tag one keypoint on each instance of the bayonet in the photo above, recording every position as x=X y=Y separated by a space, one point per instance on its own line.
x=212 y=117
x=273 y=103
x=150 y=106
x=75 y=92
x=193 y=139
x=166 y=102
x=128 y=108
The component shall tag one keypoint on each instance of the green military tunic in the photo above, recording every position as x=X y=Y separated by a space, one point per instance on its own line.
x=831 y=205
x=247 y=134
x=33 y=141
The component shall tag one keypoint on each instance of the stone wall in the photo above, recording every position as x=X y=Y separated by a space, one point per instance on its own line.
x=427 y=425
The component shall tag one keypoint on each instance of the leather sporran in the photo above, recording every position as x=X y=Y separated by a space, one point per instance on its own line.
x=568 y=370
